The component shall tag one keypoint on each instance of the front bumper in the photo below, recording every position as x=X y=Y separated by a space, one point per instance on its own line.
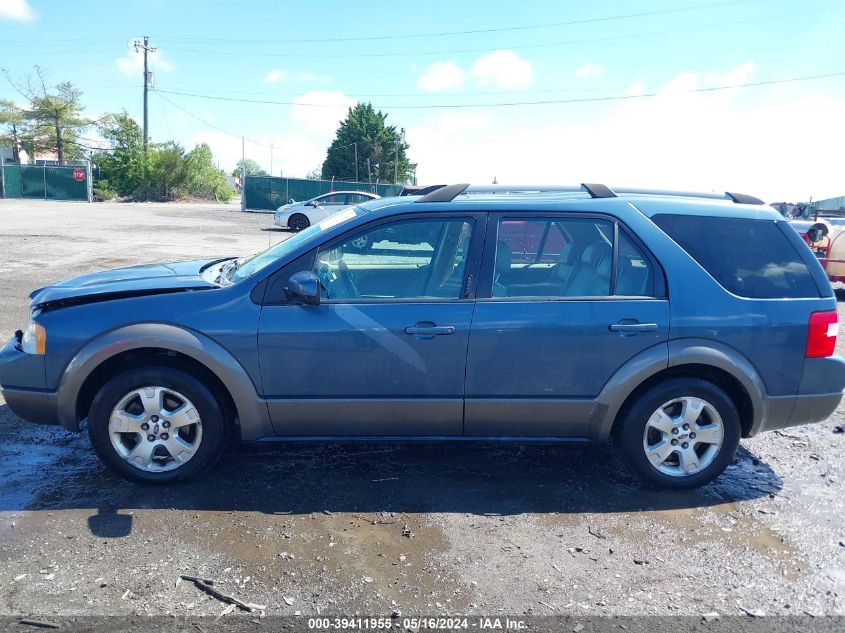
x=281 y=220
x=32 y=405
x=22 y=385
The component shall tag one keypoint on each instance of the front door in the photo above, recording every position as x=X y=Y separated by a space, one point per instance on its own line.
x=569 y=301
x=385 y=351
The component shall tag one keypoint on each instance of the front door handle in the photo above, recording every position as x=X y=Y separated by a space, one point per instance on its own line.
x=626 y=328
x=427 y=329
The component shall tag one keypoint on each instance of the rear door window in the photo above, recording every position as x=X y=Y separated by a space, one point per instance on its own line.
x=750 y=258
x=567 y=257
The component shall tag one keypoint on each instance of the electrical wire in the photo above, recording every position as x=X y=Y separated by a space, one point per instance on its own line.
x=208 y=123
x=531 y=46
x=544 y=25
x=517 y=103
x=461 y=51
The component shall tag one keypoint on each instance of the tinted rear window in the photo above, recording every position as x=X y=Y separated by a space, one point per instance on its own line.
x=750 y=258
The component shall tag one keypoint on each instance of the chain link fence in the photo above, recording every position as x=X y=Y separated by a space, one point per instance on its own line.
x=268 y=193
x=46 y=182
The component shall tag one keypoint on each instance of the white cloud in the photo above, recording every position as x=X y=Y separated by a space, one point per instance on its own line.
x=739 y=75
x=275 y=75
x=589 y=70
x=132 y=63
x=294 y=154
x=672 y=140
x=442 y=76
x=16 y=11
x=320 y=111
x=636 y=89
x=504 y=68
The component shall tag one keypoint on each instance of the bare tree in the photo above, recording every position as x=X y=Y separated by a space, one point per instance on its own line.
x=55 y=112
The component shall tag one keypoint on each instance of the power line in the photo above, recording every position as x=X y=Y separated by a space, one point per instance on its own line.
x=403 y=36
x=460 y=51
x=415 y=95
x=203 y=121
x=516 y=103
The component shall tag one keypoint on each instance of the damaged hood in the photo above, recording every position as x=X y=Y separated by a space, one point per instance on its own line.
x=127 y=282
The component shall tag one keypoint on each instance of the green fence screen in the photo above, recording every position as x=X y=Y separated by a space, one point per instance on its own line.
x=269 y=192
x=66 y=182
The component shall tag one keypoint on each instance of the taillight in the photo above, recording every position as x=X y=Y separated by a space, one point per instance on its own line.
x=821 y=334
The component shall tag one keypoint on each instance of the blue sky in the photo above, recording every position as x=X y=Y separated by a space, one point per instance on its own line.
x=780 y=141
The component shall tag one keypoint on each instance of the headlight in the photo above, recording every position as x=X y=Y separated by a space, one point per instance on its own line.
x=34 y=339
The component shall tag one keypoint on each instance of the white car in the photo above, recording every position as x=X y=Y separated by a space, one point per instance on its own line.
x=300 y=215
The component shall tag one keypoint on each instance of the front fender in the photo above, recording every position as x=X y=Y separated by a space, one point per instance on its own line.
x=251 y=410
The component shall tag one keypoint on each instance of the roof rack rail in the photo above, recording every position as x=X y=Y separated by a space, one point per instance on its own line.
x=448 y=193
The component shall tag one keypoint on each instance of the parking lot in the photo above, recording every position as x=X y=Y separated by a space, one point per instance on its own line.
x=382 y=528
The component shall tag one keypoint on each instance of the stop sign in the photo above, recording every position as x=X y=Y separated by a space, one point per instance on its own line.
x=79 y=175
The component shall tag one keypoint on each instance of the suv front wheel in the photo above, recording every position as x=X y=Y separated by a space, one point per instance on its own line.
x=156 y=425
x=679 y=434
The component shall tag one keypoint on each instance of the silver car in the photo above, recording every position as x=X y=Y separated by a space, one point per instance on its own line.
x=300 y=215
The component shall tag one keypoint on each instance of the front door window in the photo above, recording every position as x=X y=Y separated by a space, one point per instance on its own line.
x=405 y=260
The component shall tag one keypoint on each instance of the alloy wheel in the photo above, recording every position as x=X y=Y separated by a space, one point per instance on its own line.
x=683 y=436
x=155 y=429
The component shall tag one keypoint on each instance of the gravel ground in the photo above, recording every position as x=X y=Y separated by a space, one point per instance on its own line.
x=374 y=529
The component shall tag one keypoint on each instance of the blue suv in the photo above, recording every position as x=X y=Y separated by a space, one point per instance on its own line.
x=671 y=324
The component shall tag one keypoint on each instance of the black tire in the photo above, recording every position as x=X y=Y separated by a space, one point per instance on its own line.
x=630 y=429
x=298 y=222
x=214 y=427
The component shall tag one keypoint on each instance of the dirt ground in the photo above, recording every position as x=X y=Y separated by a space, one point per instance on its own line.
x=381 y=529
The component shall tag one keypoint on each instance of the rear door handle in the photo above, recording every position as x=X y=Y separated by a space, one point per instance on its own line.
x=633 y=327
x=427 y=329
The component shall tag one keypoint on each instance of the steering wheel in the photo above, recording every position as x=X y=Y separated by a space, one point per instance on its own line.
x=345 y=277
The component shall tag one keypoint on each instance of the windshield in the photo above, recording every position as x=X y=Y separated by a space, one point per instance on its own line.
x=252 y=265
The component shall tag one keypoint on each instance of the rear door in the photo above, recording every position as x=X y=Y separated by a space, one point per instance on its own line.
x=564 y=301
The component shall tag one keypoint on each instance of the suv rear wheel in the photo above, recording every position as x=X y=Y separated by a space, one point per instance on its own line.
x=156 y=425
x=680 y=434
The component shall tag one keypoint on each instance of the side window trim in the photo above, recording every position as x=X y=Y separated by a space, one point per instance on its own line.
x=657 y=291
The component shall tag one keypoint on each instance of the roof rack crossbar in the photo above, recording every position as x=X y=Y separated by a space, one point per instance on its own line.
x=444 y=194
x=743 y=198
x=597 y=190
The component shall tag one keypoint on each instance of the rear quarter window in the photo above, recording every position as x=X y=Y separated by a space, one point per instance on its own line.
x=750 y=258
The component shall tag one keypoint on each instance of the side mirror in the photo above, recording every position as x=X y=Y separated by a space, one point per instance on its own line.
x=291 y=201
x=303 y=288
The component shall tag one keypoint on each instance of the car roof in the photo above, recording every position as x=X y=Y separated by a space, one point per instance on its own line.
x=332 y=193
x=678 y=203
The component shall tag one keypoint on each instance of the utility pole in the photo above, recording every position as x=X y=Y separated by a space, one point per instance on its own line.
x=147 y=49
x=356 y=161
x=271 y=159
x=243 y=173
x=399 y=138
